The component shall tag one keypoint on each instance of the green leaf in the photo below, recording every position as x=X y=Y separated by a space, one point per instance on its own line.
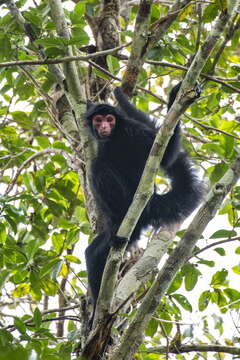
x=73 y=259
x=209 y=263
x=47 y=268
x=31 y=248
x=219 y=278
x=78 y=12
x=19 y=325
x=213 y=101
x=220 y=251
x=113 y=64
x=155 y=11
x=54 y=52
x=21 y=290
x=191 y=276
x=29 y=182
x=35 y=285
x=3 y=233
x=65 y=350
x=217 y=297
x=217 y=172
x=237 y=251
x=167 y=326
x=5 y=338
x=4 y=274
x=52 y=41
x=5 y=47
x=236 y=269
x=43 y=142
x=204 y=300
x=182 y=300
x=234 y=296
x=227 y=143
x=14 y=352
x=58 y=242
x=221 y=234
x=22 y=119
x=56 y=270
x=176 y=283
x=37 y=317
x=49 y=287
x=80 y=37
x=33 y=18
x=210 y=13
x=151 y=328
x=101 y=74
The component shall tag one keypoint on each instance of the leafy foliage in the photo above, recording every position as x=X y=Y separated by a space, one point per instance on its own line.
x=44 y=224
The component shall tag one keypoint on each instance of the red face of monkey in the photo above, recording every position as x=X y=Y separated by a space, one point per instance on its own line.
x=104 y=124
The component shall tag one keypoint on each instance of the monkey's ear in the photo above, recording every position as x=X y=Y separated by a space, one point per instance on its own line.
x=89 y=104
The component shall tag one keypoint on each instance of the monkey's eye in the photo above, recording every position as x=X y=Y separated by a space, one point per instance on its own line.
x=98 y=118
x=110 y=118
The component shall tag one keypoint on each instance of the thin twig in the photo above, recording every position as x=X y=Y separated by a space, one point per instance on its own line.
x=65 y=59
x=28 y=161
x=213 y=245
x=211 y=127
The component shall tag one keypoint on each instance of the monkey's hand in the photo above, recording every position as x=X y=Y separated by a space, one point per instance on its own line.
x=193 y=94
x=117 y=241
x=197 y=89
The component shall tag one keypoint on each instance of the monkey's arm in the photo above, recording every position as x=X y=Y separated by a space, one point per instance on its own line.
x=130 y=109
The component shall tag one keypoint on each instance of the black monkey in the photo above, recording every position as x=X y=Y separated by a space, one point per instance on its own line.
x=125 y=136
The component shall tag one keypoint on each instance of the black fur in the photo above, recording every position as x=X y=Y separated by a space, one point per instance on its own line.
x=116 y=172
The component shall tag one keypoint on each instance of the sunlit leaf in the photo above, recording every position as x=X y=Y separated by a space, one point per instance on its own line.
x=204 y=300
x=183 y=301
x=191 y=276
x=73 y=259
x=219 y=278
x=21 y=290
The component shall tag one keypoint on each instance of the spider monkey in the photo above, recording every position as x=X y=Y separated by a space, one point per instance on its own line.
x=125 y=136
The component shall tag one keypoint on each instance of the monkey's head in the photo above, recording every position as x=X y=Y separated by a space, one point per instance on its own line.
x=102 y=119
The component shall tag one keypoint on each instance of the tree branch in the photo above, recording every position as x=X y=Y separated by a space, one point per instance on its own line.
x=70 y=69
x=179 y=349
x=145 y=38
x=66 y=59
x=145 y=267
x=207 y=127
x=206 y=76
x=27 y=28
x=232 y=28
x=77 y=103
x=139 y=45
x=213 y=245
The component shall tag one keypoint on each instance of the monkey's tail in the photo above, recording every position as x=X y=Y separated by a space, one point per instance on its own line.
x=185 y=195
